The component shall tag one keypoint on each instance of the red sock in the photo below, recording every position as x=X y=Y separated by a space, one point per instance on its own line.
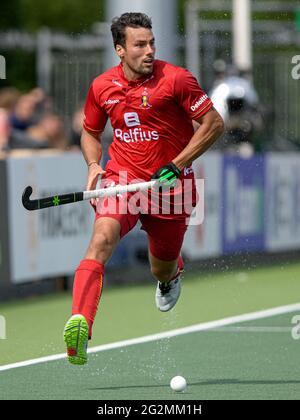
x=87 y=290
x=180 y=267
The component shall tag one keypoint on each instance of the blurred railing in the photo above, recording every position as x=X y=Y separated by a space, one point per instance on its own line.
x=66 y=64
x=275 y=41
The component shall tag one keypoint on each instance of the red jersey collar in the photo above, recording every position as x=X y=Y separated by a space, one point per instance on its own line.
x=136 y=82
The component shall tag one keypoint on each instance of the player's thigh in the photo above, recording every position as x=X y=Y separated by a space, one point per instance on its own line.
x=106 y=230
x=125 y=221
x=117 y=208
x=165 y=238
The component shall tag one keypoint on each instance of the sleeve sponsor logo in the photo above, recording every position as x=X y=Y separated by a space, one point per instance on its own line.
x=199 y=103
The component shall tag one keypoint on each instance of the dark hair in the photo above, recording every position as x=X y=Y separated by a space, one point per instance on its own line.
x=132 y=20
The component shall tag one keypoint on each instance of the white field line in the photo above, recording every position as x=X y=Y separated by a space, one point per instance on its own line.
x=167 y=334
x=254 y=329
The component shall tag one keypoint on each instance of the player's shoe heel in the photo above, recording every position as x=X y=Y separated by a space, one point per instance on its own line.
x=76 y=339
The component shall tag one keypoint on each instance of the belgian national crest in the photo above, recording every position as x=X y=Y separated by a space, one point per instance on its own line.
x=145 y=100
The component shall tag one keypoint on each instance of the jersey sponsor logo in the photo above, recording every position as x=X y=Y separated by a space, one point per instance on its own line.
x=112 y=101
x=135 y=135
x=131 y=119
x=199 y=103
x=145 y=100
x=188 y=170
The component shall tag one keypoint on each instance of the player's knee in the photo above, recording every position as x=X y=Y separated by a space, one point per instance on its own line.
x=102 y=240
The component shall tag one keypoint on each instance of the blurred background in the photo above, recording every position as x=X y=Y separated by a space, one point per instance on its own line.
x=245 y=54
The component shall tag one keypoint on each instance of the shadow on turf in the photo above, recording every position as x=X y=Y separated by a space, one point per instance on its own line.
x=208 y=382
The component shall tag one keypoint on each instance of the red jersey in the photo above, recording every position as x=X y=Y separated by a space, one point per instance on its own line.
x=151 y=117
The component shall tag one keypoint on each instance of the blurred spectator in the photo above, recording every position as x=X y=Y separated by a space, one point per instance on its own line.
x=8 y=98
x=27 y=121
x=4 y=129
x=20 y=140
x=10 y=137
x=38 y=95
x=22 y=116
x=43 y=103
x=49 y=130
x=76 y=128
x=29 y=108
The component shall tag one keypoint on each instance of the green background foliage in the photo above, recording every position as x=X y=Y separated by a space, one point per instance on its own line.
x=64 y=15
x=74 y=17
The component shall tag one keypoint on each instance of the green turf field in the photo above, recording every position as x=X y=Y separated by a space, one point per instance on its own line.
x=222 y=363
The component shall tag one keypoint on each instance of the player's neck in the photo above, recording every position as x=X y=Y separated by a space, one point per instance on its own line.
x=130 y=74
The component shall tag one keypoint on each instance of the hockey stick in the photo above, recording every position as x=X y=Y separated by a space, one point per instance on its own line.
x=59 y=200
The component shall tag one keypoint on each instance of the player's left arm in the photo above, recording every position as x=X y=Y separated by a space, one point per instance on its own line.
x=210 y=129
x=198 y=106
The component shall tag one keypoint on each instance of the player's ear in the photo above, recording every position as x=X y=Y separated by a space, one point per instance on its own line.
x=120 y=51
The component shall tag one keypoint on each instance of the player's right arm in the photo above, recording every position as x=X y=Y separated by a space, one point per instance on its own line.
x=92 y=151
x=94 y=123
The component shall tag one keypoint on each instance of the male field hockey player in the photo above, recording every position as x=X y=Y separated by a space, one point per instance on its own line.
x=151 y=105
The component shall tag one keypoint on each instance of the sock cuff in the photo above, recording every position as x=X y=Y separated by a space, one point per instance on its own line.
x=178 y=272
x=180 y=267
x=91 y=265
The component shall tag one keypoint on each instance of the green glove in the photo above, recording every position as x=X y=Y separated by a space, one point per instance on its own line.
x=167 y=175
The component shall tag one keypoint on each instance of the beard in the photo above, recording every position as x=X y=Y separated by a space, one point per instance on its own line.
x=142 y=69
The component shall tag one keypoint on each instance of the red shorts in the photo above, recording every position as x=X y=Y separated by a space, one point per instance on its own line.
x=165 y=234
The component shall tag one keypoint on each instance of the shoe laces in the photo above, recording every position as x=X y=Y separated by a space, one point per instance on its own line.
x=164 y=287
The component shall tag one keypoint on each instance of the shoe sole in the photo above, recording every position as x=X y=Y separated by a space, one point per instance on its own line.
x=76 y=338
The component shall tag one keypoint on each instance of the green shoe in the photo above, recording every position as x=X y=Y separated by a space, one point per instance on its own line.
x=76 y=338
